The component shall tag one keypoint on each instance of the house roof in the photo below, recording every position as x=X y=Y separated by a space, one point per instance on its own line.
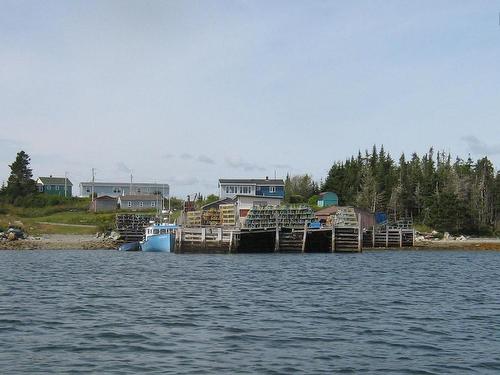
x=257 y=196
x=125 y=184
x=333 y=209
x=326 y=192
x=327 y=211
x=54 y=181
x=105 y=197
x=252 y=181
x=140 y=197
x=217 y=203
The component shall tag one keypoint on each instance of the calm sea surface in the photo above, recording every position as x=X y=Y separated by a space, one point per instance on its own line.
x=391 y=312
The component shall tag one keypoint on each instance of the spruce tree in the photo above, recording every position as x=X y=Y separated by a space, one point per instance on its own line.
x=20 y=182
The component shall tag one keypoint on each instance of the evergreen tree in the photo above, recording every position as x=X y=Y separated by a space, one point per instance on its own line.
x=459 y=196
x=368 y=196
x=300 y=188
x=20 y=183
x=497 y=201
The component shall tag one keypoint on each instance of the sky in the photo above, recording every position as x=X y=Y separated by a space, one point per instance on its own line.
x=187 y=92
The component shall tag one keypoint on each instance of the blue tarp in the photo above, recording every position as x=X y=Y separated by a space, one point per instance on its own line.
x=380 y=217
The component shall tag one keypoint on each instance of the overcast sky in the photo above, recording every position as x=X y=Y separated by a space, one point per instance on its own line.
x=186 y=92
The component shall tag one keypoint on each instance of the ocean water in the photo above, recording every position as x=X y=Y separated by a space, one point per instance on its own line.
x=379 y=312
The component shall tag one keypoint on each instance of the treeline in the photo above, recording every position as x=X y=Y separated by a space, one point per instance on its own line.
x=449 y=194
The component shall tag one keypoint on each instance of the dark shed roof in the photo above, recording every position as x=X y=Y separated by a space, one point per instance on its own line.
x=142 y=197
x=55 y=181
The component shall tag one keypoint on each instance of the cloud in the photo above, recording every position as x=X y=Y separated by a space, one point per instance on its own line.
x=478 y=147
x=123 y=168
x=282 y=166
x=183 y=181
x=168 y=156
x=205 y=159
x=186 y=156
x=241 y=164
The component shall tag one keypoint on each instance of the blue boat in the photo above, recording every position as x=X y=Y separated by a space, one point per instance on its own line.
x=131 y=246
x=159 y=238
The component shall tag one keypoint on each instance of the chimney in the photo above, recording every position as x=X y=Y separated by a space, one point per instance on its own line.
x=267 y=177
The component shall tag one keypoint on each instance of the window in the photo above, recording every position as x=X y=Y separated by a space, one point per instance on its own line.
x=272 y=189
x=129 y=204
x=57 y=187
x=141 y=204
x=153 y=204
x=259 y=203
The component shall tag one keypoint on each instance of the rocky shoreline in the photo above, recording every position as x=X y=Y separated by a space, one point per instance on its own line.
x=60 y=242
x=87 y=242
x=469 y=244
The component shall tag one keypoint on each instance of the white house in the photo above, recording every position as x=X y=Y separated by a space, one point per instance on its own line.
x=116 y=189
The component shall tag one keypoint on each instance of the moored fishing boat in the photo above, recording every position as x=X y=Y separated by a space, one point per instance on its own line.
x=159 y=237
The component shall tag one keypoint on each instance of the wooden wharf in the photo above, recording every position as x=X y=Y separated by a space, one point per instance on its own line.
x=281 y=239
x=345 y=234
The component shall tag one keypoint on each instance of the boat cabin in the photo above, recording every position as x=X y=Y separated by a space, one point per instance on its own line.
x=158 y=229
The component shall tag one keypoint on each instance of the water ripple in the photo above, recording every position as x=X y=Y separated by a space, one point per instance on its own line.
x=388 y=312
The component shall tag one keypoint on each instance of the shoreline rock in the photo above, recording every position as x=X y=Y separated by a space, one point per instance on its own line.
x=60 y=242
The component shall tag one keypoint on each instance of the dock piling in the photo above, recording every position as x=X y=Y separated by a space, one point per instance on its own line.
x=360 y=234
x=277 y=240
x=333 y=238
x=304 y=238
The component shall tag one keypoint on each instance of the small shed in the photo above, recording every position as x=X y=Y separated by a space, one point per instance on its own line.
x=327 y=199
x=104 y=203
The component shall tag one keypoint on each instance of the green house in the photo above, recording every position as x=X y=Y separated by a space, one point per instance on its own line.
x=328 y=199
x=55 y=186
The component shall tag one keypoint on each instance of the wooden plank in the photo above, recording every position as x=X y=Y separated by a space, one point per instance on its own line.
x=231 y=239
x=333 y=238
x=304 y=238
x=277 y=239
x=360 y=234
x=203 y=236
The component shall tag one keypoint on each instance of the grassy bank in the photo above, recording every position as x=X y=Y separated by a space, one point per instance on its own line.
x=72 y=217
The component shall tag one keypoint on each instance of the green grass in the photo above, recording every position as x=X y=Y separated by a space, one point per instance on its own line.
x=38 y=229
x=45 y=220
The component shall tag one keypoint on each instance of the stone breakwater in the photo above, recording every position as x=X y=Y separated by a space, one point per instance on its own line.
x=60 y=242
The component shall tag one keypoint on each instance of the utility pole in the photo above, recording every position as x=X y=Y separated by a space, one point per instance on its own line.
x=94 y=204
x=130 y=189
x=93 y=181
x=65 y=184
